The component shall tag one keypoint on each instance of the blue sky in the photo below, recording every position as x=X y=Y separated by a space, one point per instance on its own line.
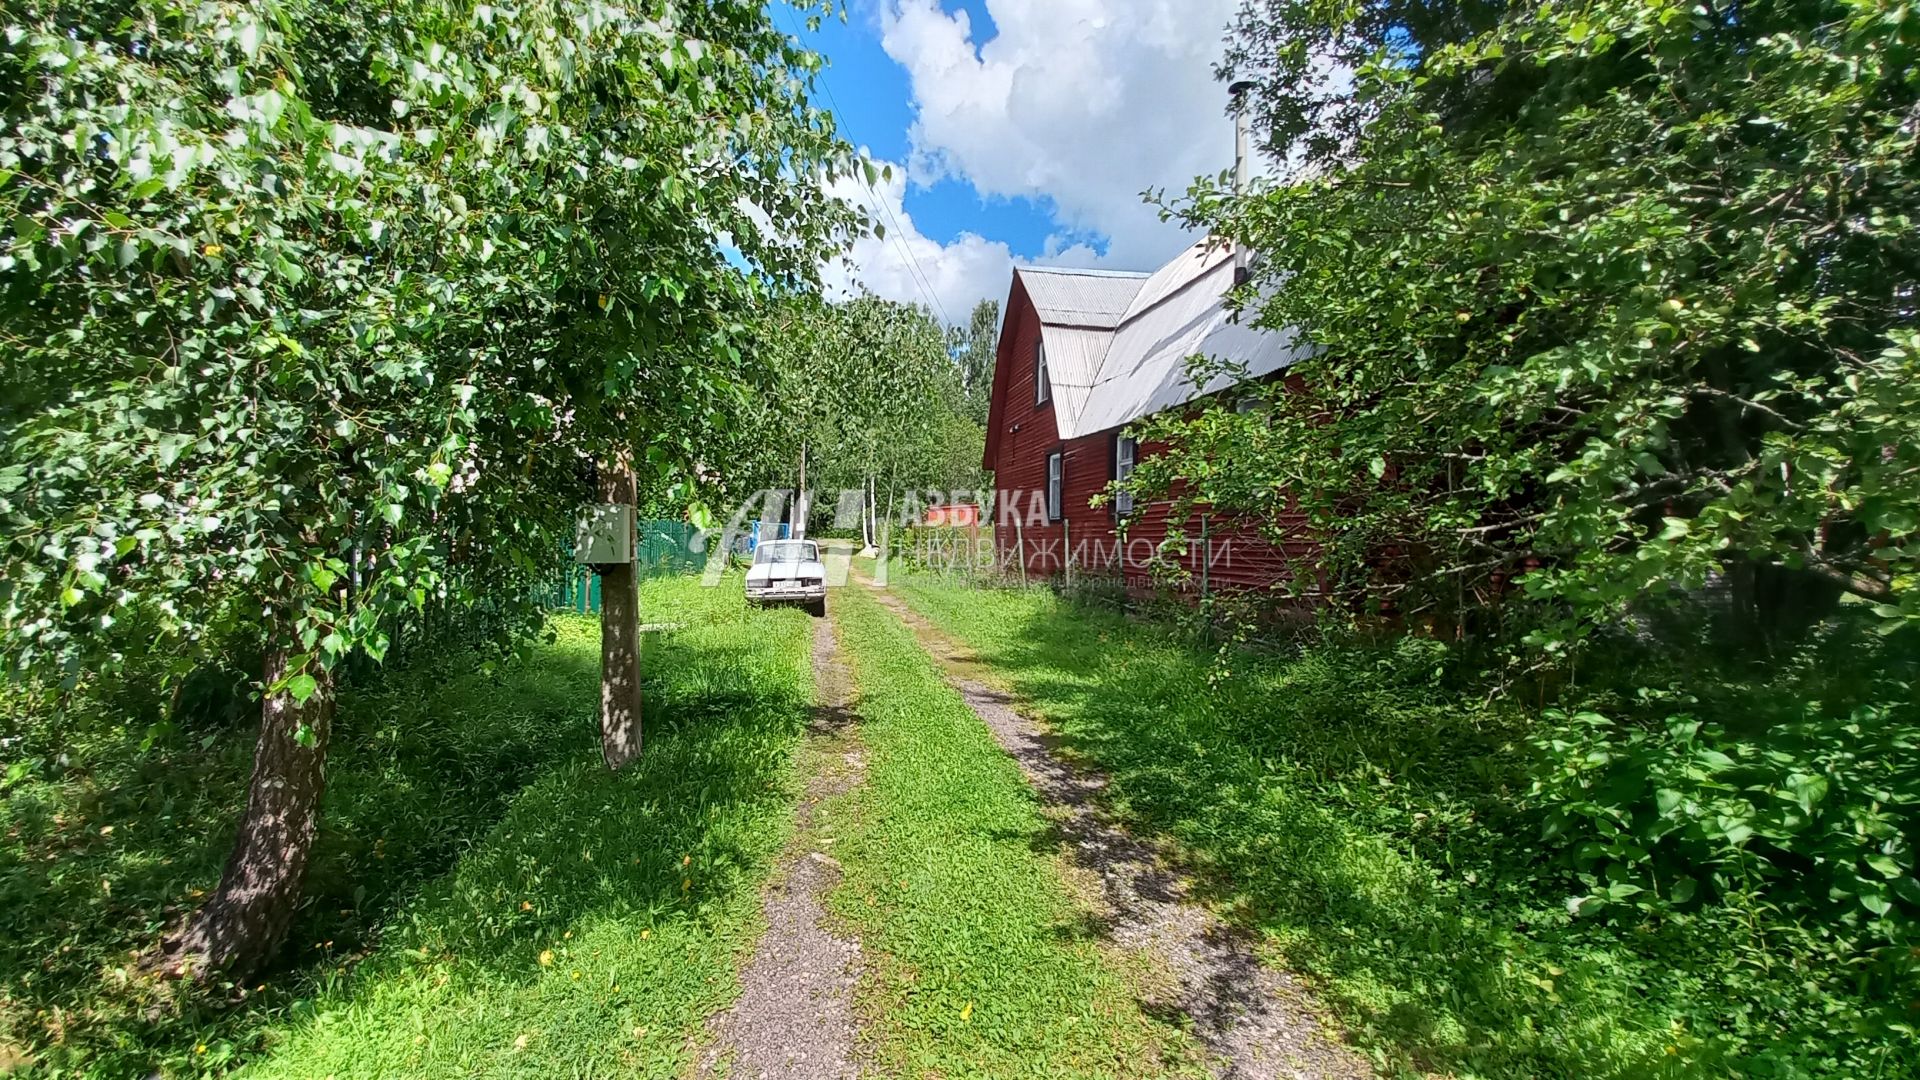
x=872 y=101
x=1020 y=131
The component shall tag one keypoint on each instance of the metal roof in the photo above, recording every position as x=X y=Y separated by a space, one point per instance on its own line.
x=1073 y=364
x=1118 y=344
x=1180 y=312
x=1084 y=298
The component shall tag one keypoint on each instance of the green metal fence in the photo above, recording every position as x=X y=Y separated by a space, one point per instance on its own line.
x=665 y=547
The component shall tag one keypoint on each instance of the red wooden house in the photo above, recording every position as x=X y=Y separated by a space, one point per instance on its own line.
x=1085 y=353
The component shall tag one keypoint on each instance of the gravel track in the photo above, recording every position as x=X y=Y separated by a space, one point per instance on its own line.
x=794 y=1018
x=1256 y=1022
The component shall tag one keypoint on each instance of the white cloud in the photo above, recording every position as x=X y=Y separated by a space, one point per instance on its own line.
x=1078 y=104
x=909 y=267
x=1083 y=103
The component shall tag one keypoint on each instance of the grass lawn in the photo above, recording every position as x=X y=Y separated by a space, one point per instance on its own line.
x=1360 y=815
x=485 y=899
x=980 y=962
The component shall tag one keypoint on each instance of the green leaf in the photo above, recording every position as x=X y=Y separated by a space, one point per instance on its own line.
x=247 y=36
x=1806 y=790
x=19 y=770
x=302 y=686
x=1886 y=866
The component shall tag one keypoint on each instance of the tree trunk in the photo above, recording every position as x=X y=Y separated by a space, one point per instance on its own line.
x=619 y=636
x=800 y=498
x=866 y=519
x=238 y=928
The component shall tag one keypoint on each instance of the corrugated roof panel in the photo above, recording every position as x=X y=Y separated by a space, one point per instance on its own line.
x=1180 y=312
x=1074 y=354
x=1084 y=298
x=1073 y=364
x=1183 y=270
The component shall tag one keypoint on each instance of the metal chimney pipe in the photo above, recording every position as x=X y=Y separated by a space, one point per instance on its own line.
x=1237 y=97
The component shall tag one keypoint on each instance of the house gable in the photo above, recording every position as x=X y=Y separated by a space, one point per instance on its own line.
x=1117 y=345
x=1117 y=350
x=1071 y=315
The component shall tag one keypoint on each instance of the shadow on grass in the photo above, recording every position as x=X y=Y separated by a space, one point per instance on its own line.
x=597 y=923
x=98 y=859
x=585 y=843
x=1357 y=817
x=427 y=761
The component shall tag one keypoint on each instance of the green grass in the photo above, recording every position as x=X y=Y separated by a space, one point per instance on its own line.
x=1362 y=815
x=467 y=829
x=980 y=962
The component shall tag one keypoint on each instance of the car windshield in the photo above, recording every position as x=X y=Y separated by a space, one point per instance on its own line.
x=785 y=551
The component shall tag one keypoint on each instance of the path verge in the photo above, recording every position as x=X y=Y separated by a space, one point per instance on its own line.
x=980 y=960
x=1256 y=1022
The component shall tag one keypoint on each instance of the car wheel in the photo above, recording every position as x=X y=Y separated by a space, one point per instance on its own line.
x=817 y=608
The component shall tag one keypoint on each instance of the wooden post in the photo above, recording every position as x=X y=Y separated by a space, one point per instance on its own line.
x=1020 y=542
x=619 y=631
x=1066 y=544
x=1206 y=559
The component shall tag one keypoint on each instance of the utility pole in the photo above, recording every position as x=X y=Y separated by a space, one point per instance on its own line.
x=619 y=627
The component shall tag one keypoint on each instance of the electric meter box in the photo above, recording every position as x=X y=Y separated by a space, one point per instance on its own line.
x=604 y=535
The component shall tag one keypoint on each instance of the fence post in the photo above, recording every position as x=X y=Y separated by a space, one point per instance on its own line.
x=1206 y=562
x=1066 y=542
x=1020 y=542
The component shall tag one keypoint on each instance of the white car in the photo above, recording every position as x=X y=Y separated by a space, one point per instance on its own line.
x=788 y=572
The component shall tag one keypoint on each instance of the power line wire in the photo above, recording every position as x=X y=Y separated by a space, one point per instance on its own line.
x=921 y=281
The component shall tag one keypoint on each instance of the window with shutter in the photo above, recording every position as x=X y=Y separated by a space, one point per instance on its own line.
x=1042 y=387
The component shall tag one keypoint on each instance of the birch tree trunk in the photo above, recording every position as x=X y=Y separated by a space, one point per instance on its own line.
x=800 y=508
x=867 y=512
x=238 y=928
